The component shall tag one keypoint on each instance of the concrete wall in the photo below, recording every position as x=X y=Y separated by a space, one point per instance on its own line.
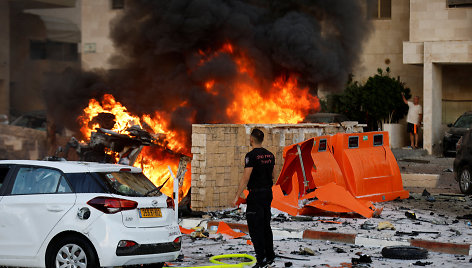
x=384 y=49
x=219 y=150
x=432 y=20
x=96 y=46
x=4 y=57
x=22 y=143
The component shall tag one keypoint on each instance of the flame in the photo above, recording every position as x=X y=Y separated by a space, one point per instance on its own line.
x=284 y=101
x=154 y=161
x=289 y=105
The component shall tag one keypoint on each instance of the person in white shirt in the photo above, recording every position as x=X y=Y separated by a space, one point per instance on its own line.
x=413 y=119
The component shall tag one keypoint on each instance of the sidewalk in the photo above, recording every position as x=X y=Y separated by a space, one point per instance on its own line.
x=420 y=170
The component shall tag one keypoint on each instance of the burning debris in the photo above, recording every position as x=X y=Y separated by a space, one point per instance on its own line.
x=113 y=135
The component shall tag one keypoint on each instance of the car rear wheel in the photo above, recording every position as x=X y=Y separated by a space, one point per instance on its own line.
x=75 y=252
x=465 y=180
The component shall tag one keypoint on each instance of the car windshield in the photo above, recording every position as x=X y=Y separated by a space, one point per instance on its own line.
x=465 y=121
x=130 y=184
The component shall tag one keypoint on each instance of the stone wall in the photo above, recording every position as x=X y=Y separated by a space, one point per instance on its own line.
x=22 y=143
x=218 y=156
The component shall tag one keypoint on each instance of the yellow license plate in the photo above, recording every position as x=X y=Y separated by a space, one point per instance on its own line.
x=150 y=213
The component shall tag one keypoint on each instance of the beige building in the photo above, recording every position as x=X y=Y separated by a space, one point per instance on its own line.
x=441 y=42
x=428 y=43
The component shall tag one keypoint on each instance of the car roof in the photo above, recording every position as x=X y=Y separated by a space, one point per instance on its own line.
x=73 y=166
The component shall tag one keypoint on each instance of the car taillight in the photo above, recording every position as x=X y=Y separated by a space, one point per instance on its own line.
x=170 y=203
x=126 y=244
x=110 y=205
x=177 y=240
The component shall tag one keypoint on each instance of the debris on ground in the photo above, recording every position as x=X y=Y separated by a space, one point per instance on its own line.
x=305 y=251
x=410 y=215
x=425 y=193
x=404 y=252
x=420 y=263
x=363 y=258
x=367 y=226
x=385 y=225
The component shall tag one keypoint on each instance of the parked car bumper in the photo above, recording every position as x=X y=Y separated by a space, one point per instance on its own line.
x=153 y=244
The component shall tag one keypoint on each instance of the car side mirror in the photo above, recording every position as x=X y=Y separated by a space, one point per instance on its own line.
x=449 y=125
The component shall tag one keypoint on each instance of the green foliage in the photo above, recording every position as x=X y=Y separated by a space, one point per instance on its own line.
x=378 y=100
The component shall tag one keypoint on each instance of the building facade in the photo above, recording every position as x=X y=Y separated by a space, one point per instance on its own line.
x=427 y=43
x=37 y=37
x=441 y=43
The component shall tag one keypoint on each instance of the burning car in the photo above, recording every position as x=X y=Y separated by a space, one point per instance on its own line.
x=82 y=214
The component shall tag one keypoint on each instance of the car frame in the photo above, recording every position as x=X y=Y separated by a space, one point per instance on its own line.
x=71 y=226
x=462 y=165
x=453 y=134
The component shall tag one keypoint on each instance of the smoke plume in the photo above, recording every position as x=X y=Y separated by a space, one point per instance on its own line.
x=160 y=45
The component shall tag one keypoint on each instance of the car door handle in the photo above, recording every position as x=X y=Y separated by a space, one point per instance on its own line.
x=54 y=208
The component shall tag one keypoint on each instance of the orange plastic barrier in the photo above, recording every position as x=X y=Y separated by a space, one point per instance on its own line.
x=224 y=228
x=320 y=167
x=185 y=230
x=369 y=168
x=338 y=172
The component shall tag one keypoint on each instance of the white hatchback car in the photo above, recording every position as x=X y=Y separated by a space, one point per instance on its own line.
x=78 y=214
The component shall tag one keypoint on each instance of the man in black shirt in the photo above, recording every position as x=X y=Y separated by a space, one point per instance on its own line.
x=258 y=177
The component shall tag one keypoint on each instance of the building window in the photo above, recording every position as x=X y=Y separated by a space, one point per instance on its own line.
x=37 y=50
x=117 y=4
x=51 y=50
x=380 y=9
x=459 y=3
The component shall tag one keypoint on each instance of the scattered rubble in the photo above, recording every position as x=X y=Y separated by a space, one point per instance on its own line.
x=449 y=211
x=363 y=258
x=385 y=225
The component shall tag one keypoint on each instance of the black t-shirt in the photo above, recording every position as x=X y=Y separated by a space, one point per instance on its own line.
x=262 y=161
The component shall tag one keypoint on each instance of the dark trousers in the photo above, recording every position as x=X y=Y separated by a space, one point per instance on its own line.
x=258 y=221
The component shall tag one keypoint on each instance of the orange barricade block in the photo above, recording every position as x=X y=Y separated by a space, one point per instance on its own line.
x=185 y=230
x=343 y=172
x=224 y=228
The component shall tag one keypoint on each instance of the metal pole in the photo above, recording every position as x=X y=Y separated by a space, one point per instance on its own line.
x=305 y=181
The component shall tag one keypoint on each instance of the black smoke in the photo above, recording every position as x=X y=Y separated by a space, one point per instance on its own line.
x=157 y=64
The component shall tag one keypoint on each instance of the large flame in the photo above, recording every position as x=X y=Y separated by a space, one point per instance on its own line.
x=153 y=160
x=283 y=102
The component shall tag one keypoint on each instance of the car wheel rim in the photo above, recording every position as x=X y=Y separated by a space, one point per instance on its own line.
x=71 y=256
x=465 y=179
